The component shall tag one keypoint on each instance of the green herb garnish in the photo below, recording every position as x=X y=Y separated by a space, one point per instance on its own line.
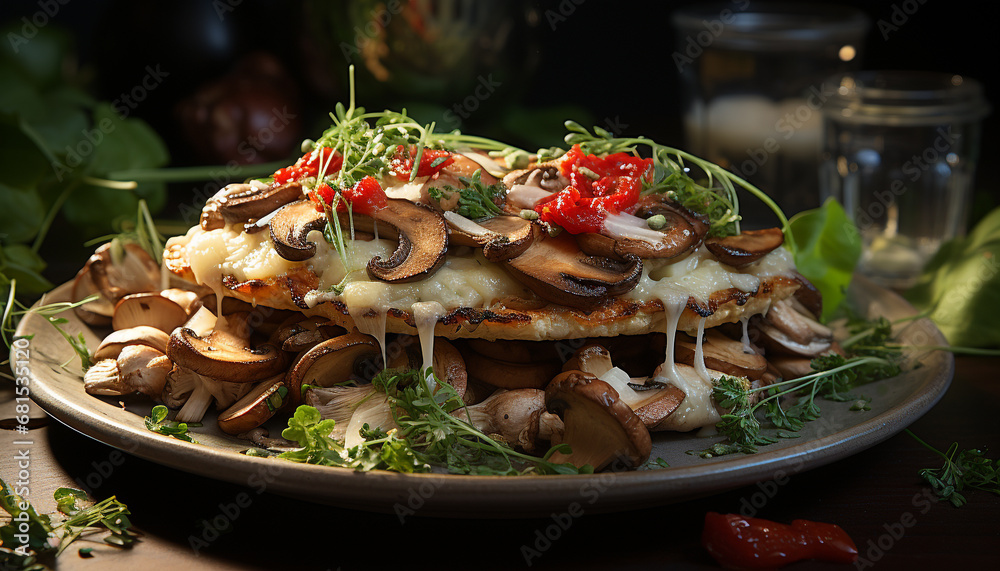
x=157 y=422
x=47 y=538
x=965 y=469
x=477 y=201
x=428 y=438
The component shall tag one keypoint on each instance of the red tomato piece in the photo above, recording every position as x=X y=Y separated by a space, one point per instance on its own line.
x=431 y=161
x=752 y=543
x=366 y=197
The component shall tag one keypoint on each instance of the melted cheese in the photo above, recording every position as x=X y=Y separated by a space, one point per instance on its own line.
x=697 y=409
x=466 y=279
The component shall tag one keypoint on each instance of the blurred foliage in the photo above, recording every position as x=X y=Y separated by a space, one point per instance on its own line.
x=960 y=286
x=57 y=147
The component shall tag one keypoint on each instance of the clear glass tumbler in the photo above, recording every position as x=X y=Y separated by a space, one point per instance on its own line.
x=750 y=78
x=899 y=152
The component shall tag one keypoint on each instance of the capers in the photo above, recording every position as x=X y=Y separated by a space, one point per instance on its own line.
x=656 y=222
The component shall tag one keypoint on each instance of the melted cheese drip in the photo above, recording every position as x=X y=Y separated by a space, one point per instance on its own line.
x=746 y=336
x=674 y=307
x=699 y=352
x=426 y=315
x=374 y=326
x=697 y=409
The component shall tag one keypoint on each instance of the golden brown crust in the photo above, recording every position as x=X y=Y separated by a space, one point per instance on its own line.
x=619 y=316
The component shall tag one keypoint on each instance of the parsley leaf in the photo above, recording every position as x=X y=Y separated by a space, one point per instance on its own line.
x=157 y=422
x=477 y=201
x=965 y=469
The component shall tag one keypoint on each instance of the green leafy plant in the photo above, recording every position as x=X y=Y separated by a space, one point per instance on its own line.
x=960 y=286
x=962 y=470
x=47 y=538
x=828 y=250
x=428 y=437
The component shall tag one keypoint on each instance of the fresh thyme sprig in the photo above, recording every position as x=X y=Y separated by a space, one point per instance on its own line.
x=965 y=469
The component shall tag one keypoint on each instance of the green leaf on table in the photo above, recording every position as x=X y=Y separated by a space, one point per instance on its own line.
x=961 y=286
x=829 y=247
x=66 y=499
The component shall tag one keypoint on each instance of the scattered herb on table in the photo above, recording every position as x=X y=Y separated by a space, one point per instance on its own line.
x=47 y=536
x=962 y=470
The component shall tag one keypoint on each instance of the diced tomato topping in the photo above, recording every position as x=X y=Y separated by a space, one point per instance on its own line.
x=431 y=161
x=598 y=186
x=366 y=197
x=309 y=165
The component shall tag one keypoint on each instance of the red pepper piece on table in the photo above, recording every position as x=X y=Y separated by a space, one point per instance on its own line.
x=750 y=543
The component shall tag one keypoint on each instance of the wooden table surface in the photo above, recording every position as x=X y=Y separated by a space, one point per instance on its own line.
x=875 y=495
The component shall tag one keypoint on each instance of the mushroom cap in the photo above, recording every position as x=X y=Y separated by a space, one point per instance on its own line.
x=505 y=237
x=256 y=407
x=514 y=415
x=557 y=270
x=150 y=309
x=328 y=363
x=599 y=427
x=626 y=234
x=746 y=247
x=592 y=358
x=422 y=241
x=786 y=330
x=98 y=312
x=218 y=356
x=133 y=271
x=290 y=227
x=113 y=344
x=244 y=202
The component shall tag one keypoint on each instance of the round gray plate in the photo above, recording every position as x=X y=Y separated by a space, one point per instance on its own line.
x=57 y=387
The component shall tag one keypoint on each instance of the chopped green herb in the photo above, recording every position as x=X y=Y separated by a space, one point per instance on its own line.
x=157 y=422
x=965 y=469
x=476 y=201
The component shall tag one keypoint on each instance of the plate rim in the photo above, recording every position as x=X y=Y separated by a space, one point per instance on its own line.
x=381 y=491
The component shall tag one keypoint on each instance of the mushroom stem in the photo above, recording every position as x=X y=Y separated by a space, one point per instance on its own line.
x=196 y=406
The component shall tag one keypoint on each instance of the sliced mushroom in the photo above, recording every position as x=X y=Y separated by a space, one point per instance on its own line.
x=120 y=272
x=652 y=404
x=501 y=237
x=256 y=407
x=422 y=236
x=246 y=202
x=624 y=234
x=188 y=300
x=138 y=369
x=98 y=312
x=225 y=354
x=808 y=296
x=518 y=417
x=746 y=247
x=113 y=344
x=556 y=270
x=151 y=309
x=330 y=362
x=787 y=330
x=299 y=333
x=290 y=228
x=507 y=375
x=721 y=354
x=599 y=427
x=791 y=366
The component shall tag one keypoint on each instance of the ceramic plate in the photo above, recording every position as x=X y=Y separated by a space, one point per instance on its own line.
x=840 y=432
